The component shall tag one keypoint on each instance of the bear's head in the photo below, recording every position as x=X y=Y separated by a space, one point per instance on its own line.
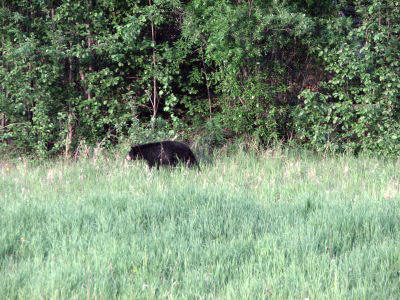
x=134 y=153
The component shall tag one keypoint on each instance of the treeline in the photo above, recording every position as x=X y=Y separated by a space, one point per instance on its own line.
x=324 y=74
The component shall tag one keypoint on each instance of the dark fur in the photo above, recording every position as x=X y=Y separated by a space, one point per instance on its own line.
x=166 y=153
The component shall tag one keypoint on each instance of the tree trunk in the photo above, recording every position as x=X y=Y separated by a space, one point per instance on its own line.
x=70 y=123
x=87 y=92
x=154 y=101
x=70 y=135
x=2 y=126
x=206 y=78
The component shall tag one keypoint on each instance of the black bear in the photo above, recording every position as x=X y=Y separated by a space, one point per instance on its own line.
x=167 y=153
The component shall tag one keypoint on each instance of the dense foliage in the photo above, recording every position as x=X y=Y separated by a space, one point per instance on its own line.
x=321 y=73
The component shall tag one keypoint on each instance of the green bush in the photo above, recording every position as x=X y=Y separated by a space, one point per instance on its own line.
x=358 y=109
x=320 y=73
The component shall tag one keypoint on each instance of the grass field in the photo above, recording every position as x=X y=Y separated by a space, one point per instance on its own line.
x=276 y=225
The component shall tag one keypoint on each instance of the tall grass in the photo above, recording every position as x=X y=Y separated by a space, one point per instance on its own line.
x=273 y=225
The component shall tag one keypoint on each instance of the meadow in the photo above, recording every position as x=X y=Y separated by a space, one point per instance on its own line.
x=277 y=224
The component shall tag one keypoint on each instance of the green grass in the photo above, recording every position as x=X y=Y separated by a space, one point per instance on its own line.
x=276 y=225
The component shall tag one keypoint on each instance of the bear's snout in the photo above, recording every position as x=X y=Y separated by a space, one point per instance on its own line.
x=128 y=157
